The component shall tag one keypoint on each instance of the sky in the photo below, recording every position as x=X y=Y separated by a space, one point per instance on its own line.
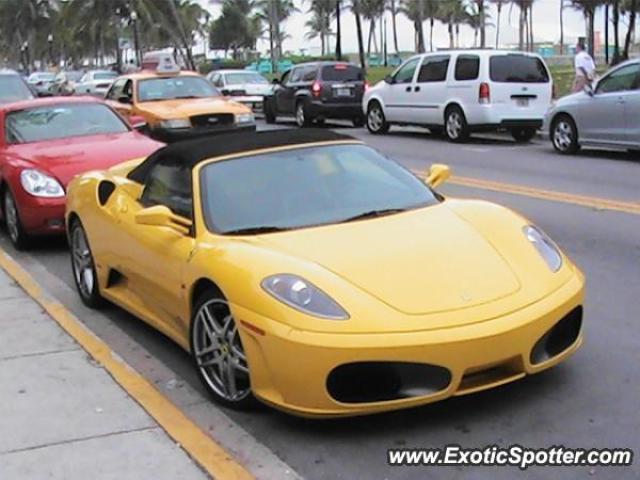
x=546 y=18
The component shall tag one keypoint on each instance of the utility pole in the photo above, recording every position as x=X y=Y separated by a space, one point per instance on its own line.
x=338 y=32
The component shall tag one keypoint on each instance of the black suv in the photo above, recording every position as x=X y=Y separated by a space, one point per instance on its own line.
x=317 y=91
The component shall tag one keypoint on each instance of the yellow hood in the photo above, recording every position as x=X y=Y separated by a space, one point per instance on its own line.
x=185 y=108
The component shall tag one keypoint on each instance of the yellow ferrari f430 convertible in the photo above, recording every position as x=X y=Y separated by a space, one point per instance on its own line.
x=304 y=269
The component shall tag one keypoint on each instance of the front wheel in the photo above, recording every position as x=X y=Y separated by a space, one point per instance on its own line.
x=83 y=267
x=456 y=126
x=19 y=238
x=564 y=135
x=376 y=121
x=523 y=135
x=302 y=117
x=218 y=354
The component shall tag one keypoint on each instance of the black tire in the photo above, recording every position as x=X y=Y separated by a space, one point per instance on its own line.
x=358 y=122
x=83 y=266
x=523 y=135
x=17 y=234
x=215 y=360
x=564 y=135
x=455 y=125
x=269 y=112
x=376 y=120
x=303 y=119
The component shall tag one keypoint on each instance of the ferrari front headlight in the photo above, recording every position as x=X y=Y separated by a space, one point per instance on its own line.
x=175 y=123
x=545 y=246
x=245 y=118
x=40 y=184
x=303 y=296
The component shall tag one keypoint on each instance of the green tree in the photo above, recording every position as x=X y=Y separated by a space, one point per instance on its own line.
x=319 y=25
x=588 y=9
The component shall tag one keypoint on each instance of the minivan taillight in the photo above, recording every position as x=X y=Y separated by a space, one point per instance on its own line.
x=484 y=93
x=316 y=88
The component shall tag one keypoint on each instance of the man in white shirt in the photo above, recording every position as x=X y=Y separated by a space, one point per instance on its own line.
x=585 y=68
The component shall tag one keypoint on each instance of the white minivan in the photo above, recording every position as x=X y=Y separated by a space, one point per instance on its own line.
x=463 y=91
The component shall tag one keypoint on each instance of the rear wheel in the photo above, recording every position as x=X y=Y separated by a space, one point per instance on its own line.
x=376 y=121
x=564 y=135
x=523 y=135
x=218 y=354
x=19 y=238
x=83 y=266
x=302 y=117
x=456 y=126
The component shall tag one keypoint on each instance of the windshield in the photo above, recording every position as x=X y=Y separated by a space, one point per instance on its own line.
x=305 y=187
x=104 y=75
x=515 y=68
x=174 y=87
x=13 y=88
x=73 y=76
x=61 y=121
x=236 y=78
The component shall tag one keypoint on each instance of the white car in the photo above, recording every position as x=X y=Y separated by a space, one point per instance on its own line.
x=606 y=114
x=244 y=86
x=463 y=91
x=41 y=82
x=95 y=82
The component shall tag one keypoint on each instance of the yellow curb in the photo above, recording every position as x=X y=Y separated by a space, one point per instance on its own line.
x=582 y=200
x=205 y=451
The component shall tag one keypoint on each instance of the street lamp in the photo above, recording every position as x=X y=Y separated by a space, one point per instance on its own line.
x=134 y=24
x=50 y=42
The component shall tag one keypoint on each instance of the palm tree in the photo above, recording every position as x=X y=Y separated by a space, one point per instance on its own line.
x=415 y=11
x=477 y=20
x=371 y=10
x=481 y=14
x=499 y=4
x=275 y=13
x=616 y=32
x=393 y=8
x=633 y=10
x=588 y=9
x=319 y=24
x=453 y=13
x=355 y=6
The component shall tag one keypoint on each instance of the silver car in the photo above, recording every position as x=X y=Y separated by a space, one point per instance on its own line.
x=603 y=115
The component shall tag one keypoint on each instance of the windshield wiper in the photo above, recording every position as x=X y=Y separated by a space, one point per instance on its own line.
x=374 y=213
x=255 y=230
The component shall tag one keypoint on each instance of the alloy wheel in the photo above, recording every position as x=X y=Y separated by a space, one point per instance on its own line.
x=300 y=118
x=219 y=353
x=375 y=119
x=454 y=125
x=563 y=135
x=82 y=262
x=11 y=217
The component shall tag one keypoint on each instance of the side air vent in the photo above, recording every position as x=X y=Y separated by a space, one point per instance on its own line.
x=105 y=189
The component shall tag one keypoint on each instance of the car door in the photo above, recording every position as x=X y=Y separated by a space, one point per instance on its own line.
x=120 y=96
x=632 y=111
x=285 y=92
x=156 y=257
x=430 y=90
x=601 y=116
x=398 y=97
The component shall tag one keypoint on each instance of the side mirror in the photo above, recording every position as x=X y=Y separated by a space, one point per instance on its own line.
x=588 y=89
x=438 y=174
x=389 y=80
x=124 y=99
x=275 y=81
x=161 y=216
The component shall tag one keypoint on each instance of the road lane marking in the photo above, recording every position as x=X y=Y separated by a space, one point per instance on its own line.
x=542 y=194
x=203 y=449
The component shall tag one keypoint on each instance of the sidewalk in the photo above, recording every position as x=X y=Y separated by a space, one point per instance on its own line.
x=62 y=416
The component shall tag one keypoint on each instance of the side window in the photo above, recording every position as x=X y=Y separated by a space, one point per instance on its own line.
x=405 y=73
x=467 y=67
x=309 y=74
x=116 y=90
x=296 y=75
x=127 y=90
x=169 y=184
x=285 y=77
x=434 y=69
x=625 y=78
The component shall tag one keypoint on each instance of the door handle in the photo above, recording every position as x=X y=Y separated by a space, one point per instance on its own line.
x=408 y=89
x=417 y=89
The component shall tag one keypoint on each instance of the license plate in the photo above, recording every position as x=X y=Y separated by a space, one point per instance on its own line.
x=343 y=92
x=522 y=102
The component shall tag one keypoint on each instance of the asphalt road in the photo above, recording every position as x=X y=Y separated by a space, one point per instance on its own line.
x=589 y=401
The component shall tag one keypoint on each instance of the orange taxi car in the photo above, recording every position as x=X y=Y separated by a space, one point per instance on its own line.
x=176 y=104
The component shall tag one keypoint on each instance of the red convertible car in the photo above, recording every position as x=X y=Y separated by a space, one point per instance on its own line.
x=44 y=143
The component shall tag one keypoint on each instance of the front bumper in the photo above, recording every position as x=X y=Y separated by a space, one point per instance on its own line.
x=254 y=102
x=335 y=110
x=290 y=368
x=41 y=216
x=167 y=135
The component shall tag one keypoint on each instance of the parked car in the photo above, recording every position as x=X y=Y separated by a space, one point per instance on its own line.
x=13 y=87
x=65 y=82
x=305 y=269
x=606 y=114
x=41 y=82
x=465 y=91
x=313 y=92
x=95 y=82
x=46 y=143
x=245 y=86
x=176 y=104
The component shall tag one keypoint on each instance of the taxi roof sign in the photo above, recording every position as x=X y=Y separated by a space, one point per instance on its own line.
x=161 y=62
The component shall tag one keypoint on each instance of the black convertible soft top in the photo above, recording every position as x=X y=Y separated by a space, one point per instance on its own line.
x=192 y=152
